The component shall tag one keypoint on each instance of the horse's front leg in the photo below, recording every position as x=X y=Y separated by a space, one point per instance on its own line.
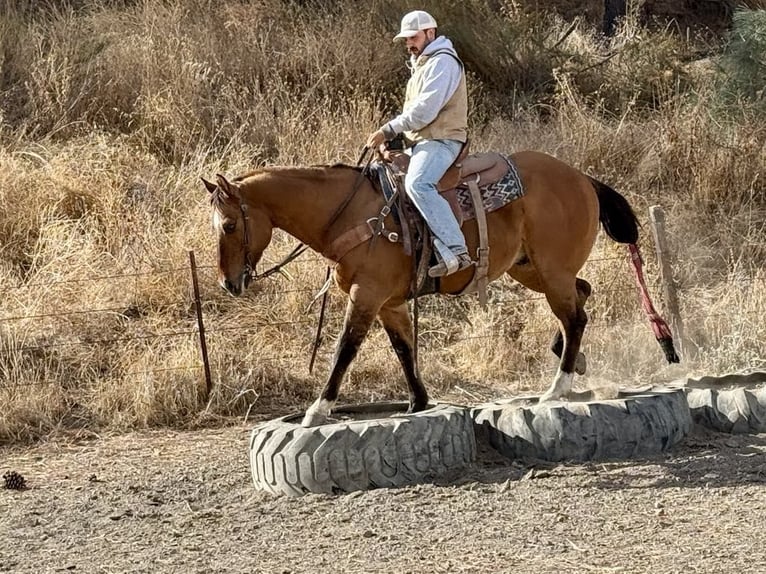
x=356 y=324
x=398 y=325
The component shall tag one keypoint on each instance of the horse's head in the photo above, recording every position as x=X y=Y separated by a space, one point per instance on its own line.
x=243 y=231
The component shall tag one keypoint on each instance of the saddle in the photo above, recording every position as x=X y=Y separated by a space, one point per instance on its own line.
x=450 y=179
x=467 y=172
x=483 y=168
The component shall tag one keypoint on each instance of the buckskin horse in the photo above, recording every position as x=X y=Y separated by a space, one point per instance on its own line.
x=541 y=240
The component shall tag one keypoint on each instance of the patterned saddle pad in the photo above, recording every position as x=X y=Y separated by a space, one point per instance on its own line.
x=494 y=195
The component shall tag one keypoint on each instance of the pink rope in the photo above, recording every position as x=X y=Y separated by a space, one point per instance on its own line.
x=659 y=326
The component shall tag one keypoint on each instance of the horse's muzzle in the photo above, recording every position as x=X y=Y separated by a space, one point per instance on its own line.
x=232 y=288
x=238 y=287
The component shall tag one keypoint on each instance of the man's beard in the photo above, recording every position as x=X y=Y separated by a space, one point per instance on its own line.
x=413 y=50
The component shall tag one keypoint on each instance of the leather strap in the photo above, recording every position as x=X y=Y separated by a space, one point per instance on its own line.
x=346 y=241
x=482 y=253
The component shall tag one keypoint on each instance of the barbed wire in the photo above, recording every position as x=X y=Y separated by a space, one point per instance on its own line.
x=134 y=310
x=91 y=342
x=247 y=328
x=96 y=279
x=172 y=270
x=122 y=310
x=130 y=308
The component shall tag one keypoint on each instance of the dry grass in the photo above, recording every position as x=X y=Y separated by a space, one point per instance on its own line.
x=110 y=112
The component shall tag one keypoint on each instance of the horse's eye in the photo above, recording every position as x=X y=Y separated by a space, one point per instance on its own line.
x=229 y=227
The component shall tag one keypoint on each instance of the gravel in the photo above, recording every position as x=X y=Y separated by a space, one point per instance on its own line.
x=171 y=501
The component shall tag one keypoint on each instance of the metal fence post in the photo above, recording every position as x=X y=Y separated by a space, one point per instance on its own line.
x=201 y=327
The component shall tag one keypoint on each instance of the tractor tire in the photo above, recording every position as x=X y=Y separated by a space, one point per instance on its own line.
x=633 y=424
x=734 y=403
x=370 y=446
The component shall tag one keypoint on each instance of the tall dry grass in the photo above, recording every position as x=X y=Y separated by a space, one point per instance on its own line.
x=110 y=112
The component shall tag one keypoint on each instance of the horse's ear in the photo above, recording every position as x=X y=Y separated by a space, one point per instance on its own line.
x=209 y=185
x=226 y=186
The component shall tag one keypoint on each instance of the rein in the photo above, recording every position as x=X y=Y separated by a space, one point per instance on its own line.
x=301 y=247
x=326 y=287
x=354 y=189
x=250 y=268
x=294 y=254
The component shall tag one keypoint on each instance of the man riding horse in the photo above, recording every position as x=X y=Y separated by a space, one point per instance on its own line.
x=434 y=120
x=540 y=238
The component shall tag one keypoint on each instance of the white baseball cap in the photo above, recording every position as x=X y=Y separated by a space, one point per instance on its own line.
x=414 y=22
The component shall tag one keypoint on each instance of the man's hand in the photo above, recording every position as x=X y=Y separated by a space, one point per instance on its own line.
x=375 y=139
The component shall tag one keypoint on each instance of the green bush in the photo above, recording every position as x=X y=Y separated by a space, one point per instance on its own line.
x=742 y=83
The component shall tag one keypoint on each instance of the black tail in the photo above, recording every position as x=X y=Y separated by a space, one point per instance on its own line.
x=616 y=214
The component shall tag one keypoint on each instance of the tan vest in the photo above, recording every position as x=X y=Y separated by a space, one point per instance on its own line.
x=452 y=121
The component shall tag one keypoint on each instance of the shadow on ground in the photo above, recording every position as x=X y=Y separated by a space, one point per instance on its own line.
x=704 y=458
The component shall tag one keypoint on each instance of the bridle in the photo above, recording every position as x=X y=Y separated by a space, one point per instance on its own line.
x=249 y=269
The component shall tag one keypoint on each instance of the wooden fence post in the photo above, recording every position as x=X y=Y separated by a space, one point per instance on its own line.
x=657 y=219
x=201 y=328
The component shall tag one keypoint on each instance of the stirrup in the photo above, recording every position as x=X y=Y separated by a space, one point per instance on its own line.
x=460 y=262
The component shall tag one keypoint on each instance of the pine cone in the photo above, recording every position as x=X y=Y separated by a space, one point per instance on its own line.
x=14 y=481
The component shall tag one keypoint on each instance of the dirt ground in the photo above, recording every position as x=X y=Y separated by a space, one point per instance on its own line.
x=165 y=501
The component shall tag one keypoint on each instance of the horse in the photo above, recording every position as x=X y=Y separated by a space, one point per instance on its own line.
x=541 y=240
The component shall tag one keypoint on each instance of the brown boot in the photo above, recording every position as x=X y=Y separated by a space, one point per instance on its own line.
x=441 y=269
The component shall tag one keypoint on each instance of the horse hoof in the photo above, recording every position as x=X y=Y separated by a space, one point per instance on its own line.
x=313 y=420
x=581 y=364
x=416 y=408
x=545 y=397
x=549 y=396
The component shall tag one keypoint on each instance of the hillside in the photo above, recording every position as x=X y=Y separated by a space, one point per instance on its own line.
x=111 y=111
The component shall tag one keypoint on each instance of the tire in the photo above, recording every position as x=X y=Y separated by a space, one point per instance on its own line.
x=635 y=424
x=732 y=403
x=369 y=449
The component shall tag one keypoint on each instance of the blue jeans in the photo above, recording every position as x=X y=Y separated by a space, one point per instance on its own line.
x=430 y=160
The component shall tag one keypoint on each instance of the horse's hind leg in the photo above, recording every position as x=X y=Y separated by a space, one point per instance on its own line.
x=557 y=346
x=398 y=325
x=355 y=327
x=564 y=300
